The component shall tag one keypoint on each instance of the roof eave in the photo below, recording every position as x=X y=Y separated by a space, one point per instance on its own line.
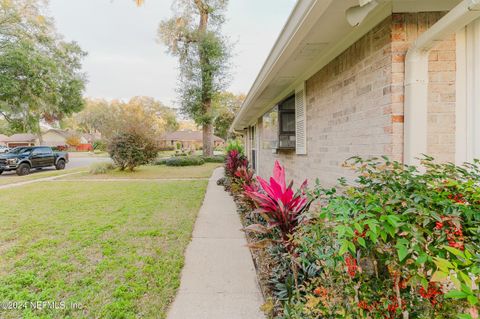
x=299 y=12
x=288 y=41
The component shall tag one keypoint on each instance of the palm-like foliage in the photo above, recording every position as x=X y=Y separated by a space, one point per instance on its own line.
x=280 y=205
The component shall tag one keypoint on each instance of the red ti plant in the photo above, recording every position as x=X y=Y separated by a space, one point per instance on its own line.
x=234 y=160
x=245 y=177
x=278 y=203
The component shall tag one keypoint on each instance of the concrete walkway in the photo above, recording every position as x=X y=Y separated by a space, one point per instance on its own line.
x=31 y=181
x=219 y=279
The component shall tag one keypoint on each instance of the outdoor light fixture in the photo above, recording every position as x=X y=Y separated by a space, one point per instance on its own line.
x=356 y=15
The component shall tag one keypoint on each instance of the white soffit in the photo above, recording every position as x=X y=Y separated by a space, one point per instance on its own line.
x=316 y=33
x=423 y=5
x=310 y=51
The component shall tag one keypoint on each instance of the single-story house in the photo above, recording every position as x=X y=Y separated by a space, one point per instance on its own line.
x=22 y=139
x=3 y=139
x=398 y=78
x=187 y=139
x=90 y=138
x=56 y=137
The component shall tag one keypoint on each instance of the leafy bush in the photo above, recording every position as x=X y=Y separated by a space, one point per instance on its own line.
x=214 y=159
x=235 y=145
x=160 y=161
x=166 y=148
x=398 y=244
x=278 y=203
x=180 y=153
x=185 y=161
x=101 y=168
x=189 y=159
x=129 y=150
x=100 y=145
x=234 y=160
x=73 y=140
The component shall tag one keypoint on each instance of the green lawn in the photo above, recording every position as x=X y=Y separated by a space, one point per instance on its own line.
x=115 y=249
x=156 y=172
x=11 y=178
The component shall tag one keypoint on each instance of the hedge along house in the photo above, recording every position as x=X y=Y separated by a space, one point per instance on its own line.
x=398 y=78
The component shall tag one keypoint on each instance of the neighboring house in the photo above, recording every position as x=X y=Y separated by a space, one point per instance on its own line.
x=90 y=138
x=3 y=139
x=187 y=139
x=22 y=139
x=56 y=137
x=363 y=77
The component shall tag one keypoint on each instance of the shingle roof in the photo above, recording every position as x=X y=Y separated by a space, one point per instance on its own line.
x=22 y=137
x=63 y=133
x=3 y=137
x=188 y=136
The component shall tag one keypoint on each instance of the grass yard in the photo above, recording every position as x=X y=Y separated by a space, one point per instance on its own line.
x=11 y=177
x=156 y=172
x=113 y=249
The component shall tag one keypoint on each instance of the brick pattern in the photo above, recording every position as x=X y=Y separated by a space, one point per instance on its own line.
x=442 y=72
x=348 y=111
x=355 y=103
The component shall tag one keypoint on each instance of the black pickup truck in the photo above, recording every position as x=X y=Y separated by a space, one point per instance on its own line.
x=23 y=159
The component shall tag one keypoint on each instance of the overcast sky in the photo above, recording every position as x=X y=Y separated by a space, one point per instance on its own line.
x=124 y=59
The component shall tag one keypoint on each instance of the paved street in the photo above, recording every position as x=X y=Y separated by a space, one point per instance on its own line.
x=75 y=162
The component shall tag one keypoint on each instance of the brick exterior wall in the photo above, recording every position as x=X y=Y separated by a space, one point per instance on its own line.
x=442 y=72
x=355 y=103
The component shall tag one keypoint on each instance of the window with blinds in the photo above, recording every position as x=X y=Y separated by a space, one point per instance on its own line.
x=285 y=125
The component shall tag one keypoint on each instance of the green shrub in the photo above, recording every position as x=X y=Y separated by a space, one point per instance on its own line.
x=101 y=168
x=220 y=149
x=129 y=150
x=100 y=145
x=180 y=154
x=160 y=161
x=185 y=161
x=235 y=145
x=398 y=244
x=214 y=159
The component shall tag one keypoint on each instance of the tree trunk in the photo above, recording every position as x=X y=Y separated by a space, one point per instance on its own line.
x=206 y=82
x=208 y=139
x=39 y=134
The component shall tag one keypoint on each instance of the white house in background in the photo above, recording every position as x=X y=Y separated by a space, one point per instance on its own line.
x=366 y=77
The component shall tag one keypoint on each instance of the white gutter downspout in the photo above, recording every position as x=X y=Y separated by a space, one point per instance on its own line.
x=416 y=77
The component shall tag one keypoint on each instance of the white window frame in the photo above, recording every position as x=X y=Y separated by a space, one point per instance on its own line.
x=468 y=94
x=253 y=144
x=301 y=118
